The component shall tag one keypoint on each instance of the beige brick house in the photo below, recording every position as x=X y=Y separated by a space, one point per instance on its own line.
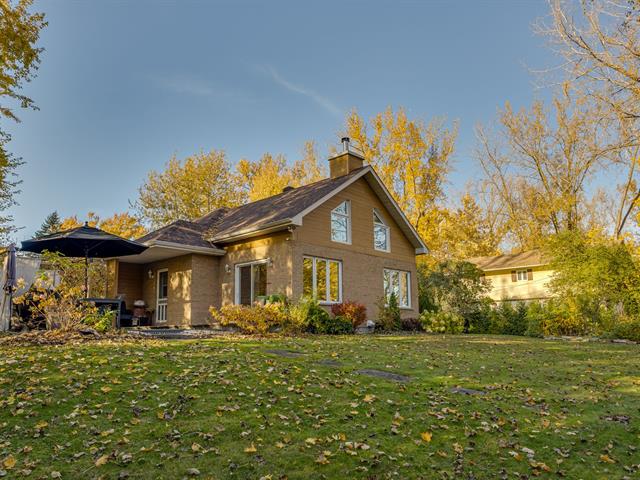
x=342 y=238
x=516 y=277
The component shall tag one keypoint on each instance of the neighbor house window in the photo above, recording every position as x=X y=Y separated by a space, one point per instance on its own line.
x=398 y=282
x=522 y=275
x=380 y=233
x=341 y=223
x=322 y=279
x=251 y=282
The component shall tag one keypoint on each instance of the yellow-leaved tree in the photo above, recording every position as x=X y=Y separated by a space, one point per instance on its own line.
x=187 y=189
x=269 y=175
x=472 y=230
x=264 y=178
x=123 y=224
x=412 y=158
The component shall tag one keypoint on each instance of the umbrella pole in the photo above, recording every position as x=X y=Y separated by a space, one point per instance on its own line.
x=86 y=272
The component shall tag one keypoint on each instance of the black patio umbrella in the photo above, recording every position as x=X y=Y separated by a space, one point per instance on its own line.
x=87 y=242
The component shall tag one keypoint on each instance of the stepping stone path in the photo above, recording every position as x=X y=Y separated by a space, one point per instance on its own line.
x=285 y=353
x=329 y=363
x=396 y=377
x=467 y=391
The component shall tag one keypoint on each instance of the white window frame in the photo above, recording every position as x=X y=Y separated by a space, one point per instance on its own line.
x=522 y=273
x=237 y=278
x=376 y=213
x=342 y=215
x=399 y=272
x=314 y=278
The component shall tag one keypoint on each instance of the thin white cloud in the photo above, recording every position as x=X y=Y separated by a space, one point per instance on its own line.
x=185 y=84
x=199 y=87
x=324 y=102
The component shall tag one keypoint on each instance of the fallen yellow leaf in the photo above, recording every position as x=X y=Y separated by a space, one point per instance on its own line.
x=102 y=460
x=426 y=436
x=9 y=462
x=251 y=449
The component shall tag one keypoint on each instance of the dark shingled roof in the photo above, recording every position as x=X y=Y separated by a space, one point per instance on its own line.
x=529 y=258
x=180 y=231
x=254 y=216
x=273 y=210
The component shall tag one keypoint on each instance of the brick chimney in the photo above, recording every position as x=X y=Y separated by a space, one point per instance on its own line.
x=345 y=161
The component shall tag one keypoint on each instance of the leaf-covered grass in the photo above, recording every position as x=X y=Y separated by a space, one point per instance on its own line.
x=225 y=408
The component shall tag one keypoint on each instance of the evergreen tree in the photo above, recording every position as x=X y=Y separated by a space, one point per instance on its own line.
x=50 y=225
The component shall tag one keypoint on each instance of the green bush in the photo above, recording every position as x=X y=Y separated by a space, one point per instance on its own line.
x=627 y=328
x=299 y=314
x=478 y=320
x=536 y=319
x=318 y=317
x=389 y=318
x=442 y=322
x=337 y=326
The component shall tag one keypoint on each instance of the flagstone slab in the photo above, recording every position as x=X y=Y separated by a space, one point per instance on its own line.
x=396 y=377
x=467 y=391
x=285 y=353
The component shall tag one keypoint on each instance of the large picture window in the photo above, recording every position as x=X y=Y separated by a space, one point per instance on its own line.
x=322 y=279
x=341 y=223
x=380 y=233
x=251 y=282
x=398 y=282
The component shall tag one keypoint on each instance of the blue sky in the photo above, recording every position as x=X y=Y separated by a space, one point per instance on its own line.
x=125 y=85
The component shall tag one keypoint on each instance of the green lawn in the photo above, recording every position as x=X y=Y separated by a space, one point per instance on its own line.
x=229 y=409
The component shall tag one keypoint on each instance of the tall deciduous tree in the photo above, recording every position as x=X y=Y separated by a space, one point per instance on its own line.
x=264 y=178
x=19 y=59
x=124 y=225
x=600 y=43
x=541 y=162
x=308 y=169
x=51 y=224
x=472 y=230
x=413 y=159
x=269 y=175
x=188 y=189
x=92 y=219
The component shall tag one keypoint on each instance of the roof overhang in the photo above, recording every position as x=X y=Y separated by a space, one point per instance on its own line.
x=162 y=250
x=242 y=234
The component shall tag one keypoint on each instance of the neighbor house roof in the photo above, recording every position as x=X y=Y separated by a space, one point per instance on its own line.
x=530 y=258
x=274 y=213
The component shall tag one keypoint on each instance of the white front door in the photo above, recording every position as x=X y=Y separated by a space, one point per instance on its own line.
x=163 y=293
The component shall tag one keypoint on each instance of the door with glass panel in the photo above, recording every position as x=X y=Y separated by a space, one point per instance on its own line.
x=251 y=282
x=163 y=296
